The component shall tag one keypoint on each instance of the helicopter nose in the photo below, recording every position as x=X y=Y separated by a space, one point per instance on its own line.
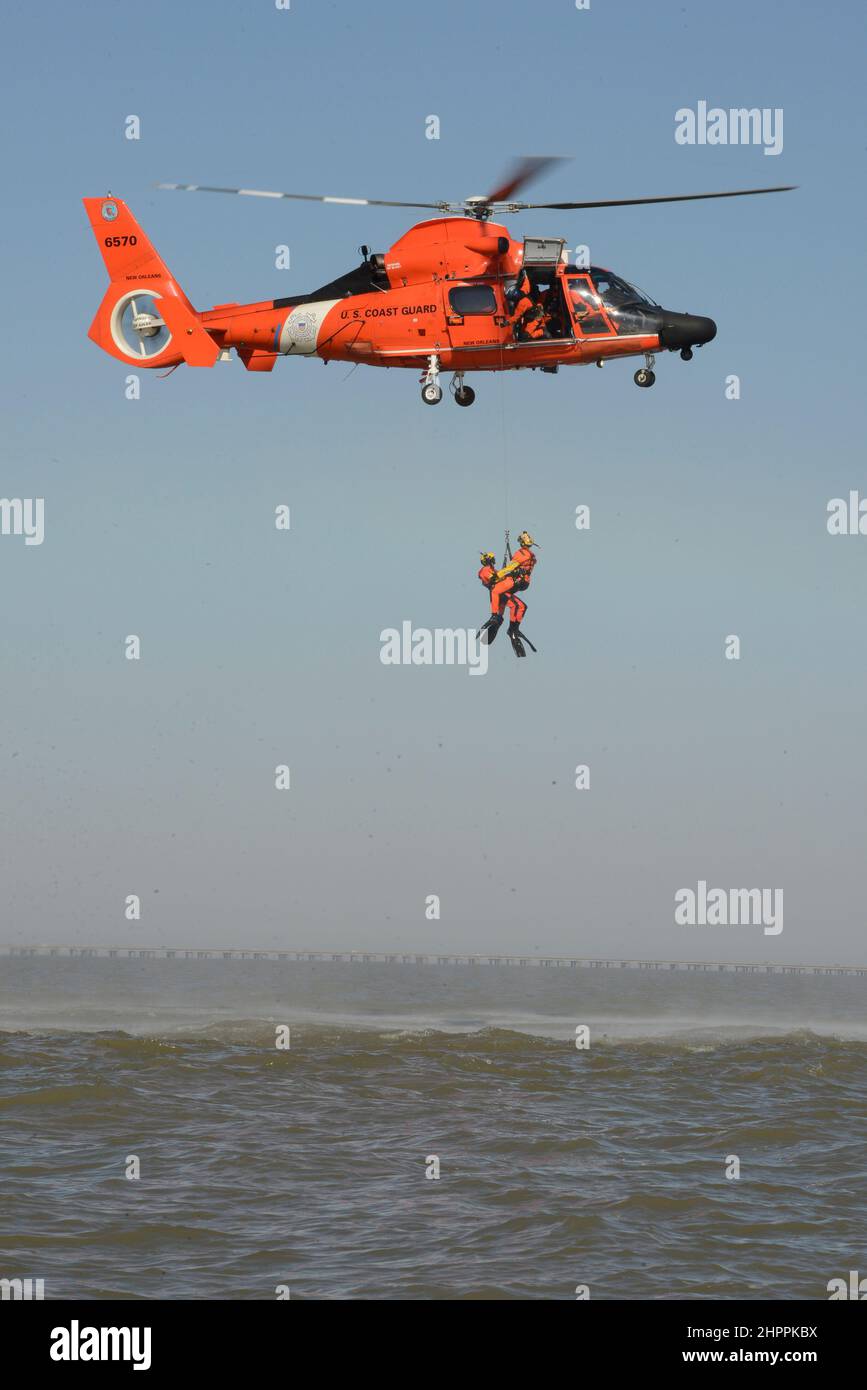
x=684 y=330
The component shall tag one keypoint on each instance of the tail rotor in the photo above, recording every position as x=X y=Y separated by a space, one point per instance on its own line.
x=137 y=325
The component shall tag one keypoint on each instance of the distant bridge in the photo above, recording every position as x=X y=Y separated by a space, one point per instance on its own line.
x=426 y=958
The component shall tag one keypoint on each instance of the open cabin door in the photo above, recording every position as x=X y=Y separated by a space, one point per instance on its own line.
x=542 y=261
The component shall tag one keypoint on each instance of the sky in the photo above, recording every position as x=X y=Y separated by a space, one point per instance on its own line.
x=262 y=648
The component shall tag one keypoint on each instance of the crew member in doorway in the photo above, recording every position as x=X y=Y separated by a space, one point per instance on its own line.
x=528 y=316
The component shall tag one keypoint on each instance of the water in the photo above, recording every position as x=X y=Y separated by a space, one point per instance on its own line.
x=263 y=1167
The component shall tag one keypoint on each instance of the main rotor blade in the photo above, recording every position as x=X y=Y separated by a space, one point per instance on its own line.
x=635 y=202
x=303 y=197
x=523 y=171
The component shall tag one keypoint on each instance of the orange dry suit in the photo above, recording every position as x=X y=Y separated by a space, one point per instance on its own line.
x=517 y=609
x=535 y=323
x=528 y=316
x=511 y=581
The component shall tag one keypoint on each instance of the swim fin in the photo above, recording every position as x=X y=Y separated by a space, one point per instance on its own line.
x=517 y=639
x=490 y=628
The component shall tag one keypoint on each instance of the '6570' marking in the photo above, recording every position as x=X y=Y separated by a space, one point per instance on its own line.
x=121 y=240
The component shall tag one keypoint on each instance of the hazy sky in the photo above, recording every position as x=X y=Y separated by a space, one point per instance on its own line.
x=708 y=516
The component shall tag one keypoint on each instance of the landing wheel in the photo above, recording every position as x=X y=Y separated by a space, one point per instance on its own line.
x=686 y=354
x=644 y=377
x=431 y=394
x=465 y=396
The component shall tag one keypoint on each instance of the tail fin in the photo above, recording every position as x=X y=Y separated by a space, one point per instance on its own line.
x=145 y=317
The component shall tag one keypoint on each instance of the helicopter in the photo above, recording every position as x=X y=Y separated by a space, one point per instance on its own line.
x=456 y=293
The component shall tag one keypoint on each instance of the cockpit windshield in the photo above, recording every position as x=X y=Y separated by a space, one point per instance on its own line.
x=616 y=293
x=602 y=303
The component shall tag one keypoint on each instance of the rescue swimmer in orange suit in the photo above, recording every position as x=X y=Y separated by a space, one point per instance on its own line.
x=509 y=582
x=528 y=317
x=489 y=576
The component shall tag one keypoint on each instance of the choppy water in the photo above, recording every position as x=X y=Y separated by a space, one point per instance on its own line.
x=306 y=1167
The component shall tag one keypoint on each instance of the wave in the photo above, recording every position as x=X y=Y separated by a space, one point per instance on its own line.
x=54 y=1096
x=501 y=1034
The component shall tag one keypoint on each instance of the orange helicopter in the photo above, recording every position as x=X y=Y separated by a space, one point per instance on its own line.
x=455 y=293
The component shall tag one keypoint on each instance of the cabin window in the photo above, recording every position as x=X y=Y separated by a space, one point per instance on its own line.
x=472 y=299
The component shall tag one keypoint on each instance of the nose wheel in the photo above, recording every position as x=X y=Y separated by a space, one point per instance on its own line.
x=431 y=391
x=645 y=376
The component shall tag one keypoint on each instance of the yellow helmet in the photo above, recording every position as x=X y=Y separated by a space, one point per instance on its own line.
x=525 y=538
x=487 y=557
